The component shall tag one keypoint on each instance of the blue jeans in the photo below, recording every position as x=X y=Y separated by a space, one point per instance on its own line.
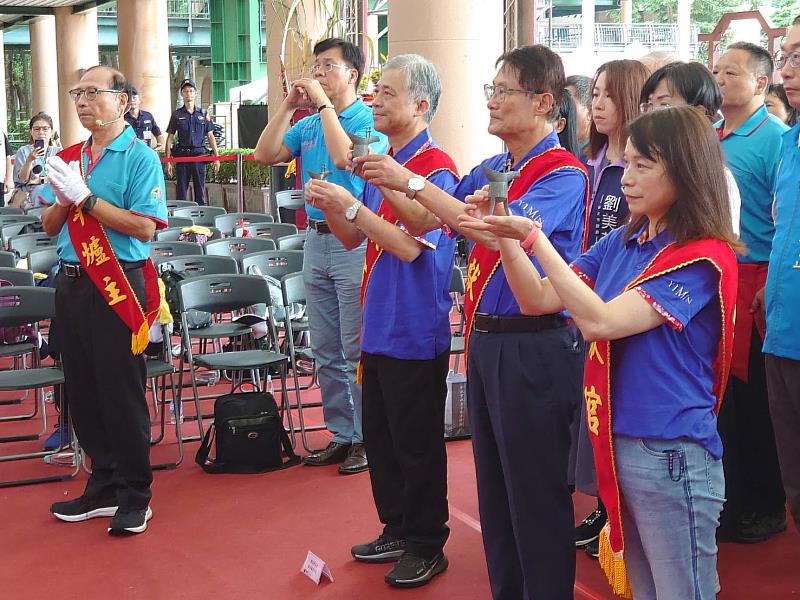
x=672 y=496
x=332 y=277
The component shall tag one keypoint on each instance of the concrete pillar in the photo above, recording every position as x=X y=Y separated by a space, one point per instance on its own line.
x=525 y=19
x=626 y=11
x=463 y=38
x=76 y=40
x=684 y=29
x=3 y=105
x=44 y=72
x=143 y=41
x=587 y=25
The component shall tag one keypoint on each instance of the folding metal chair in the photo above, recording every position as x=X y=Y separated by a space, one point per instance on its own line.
x=22 y=244
x=200 y=215
x=179 y=222
x=13 y=225
x=226 y=223
x=289 y=200
x=457 y=289
x=238 y=247
x=42 y=260
x=8 y=259
x=223 y=294
x=35 y=211
x=160 y=250
x=11 y=210
x=22 y=306
x=271 y=231
x=19 y=351
x=292 y=242
x=159 y=368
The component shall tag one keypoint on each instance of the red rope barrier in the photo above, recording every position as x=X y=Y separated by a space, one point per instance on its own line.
x=208 y=158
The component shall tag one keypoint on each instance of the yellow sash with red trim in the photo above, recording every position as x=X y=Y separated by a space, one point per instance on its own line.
x=97 y=258
x=483 y=262
x=597 y=389
x=425 y=163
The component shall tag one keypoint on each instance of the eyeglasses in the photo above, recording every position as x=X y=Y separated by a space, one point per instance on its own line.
x=328 y=67
x=793 y=58
x=41 y=129
x=498 y=93
x=648 y=106
x=90 y=93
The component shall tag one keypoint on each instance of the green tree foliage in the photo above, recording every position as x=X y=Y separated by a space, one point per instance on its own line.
x=705 y=13
x=784 y=12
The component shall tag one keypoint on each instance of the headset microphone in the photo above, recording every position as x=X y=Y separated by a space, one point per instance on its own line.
x=100 y=123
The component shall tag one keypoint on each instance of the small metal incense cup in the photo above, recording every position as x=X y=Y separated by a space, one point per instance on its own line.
x=499 y=181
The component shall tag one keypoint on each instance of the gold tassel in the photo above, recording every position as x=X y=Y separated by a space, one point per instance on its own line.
x=140 y=339
x=613 y=566
x=359 y=372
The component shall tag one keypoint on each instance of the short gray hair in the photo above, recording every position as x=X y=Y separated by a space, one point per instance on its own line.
x=422 y=80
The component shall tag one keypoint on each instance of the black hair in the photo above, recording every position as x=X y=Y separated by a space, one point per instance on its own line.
x=760 y=59
x=692 y=81
x=778 y=90
x=583 y=89
x=568 y=137
x=539 y=70
x=351 y=54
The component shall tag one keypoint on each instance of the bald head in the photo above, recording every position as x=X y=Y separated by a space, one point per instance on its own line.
x=114 y=78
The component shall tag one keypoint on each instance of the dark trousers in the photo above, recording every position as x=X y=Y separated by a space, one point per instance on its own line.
x=104 y=385
x=523 y=391
x=783 y=381
x=752 y=473
x=194 y=172
x=404 y=435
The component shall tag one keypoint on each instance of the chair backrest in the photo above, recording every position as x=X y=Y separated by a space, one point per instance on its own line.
x=457 y=281
x=238 y=247
x=200 y=215
x=167 y=249
x=8 y=259
x=292 y=242
x=173 y=234
x=272 y=231
x=294 y=289
x=179 y=222
x=223 y=293
x=36 y=211
x=11 y=210
x=16 y=276
x=195 y=266
x=27 y=242
x=23 y=305
x=226 y=223
x=11 y=225
x=42 y=260
x=173 y=204
x=290 y=200
x=275 y=263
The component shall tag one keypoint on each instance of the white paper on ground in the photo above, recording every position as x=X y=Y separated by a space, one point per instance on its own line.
x=314 y=568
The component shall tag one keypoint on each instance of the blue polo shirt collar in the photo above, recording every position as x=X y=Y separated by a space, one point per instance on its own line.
x=754 y=121
x=547 y=142
x=120 y=143
x=353 y=110
x=660 y=241
x=413 y=146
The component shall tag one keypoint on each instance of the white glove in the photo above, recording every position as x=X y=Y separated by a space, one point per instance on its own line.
x=66 y=181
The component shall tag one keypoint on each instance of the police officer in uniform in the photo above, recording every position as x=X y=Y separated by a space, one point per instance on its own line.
x=193 y=128
x=143 y=123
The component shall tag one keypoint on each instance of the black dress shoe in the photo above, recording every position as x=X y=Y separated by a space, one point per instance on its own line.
x=333 y=454
x=356 y=460
x=760 y=528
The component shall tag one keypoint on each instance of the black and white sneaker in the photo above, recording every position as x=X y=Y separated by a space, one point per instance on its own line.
x=83 y=509
x=384 y=549
x=589 y=530
x=413 y=571
x=130 y=522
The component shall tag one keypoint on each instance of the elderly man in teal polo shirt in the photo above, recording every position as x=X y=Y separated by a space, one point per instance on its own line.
x=782 y=294
x=751 y=143
x=105 y=199
x=332 y=275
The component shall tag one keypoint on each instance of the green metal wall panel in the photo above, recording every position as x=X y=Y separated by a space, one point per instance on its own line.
x=235 y=45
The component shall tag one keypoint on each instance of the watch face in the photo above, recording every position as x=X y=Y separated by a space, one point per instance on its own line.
x=416 y=183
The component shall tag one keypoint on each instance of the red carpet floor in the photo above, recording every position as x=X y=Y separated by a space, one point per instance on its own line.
x=245 y=537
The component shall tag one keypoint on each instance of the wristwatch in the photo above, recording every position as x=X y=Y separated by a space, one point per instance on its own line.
x=352 y=211
x=89 y=203
x=415 y=184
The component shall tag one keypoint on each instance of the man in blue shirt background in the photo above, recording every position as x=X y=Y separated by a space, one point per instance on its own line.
x=332 y=275
x=782 y=293
x=751 y=143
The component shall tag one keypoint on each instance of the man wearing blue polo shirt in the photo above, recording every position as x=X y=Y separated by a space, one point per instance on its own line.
x=106 y=198
x=782 y=294
x=751 y=143
x=332 y=275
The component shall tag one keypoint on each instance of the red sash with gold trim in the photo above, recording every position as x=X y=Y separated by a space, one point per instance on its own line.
x=425 y=163
x=97 y=258
x=597 y=389
x=483 y=262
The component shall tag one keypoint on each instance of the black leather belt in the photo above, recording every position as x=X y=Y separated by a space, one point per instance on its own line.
x=76 y=270
x=319 y=226
x=521 y=324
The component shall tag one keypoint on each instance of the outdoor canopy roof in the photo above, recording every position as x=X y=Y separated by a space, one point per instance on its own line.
x=13 y=12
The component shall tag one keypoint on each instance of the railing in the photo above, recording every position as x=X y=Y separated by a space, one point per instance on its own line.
x=615 y=36
x=177 y=9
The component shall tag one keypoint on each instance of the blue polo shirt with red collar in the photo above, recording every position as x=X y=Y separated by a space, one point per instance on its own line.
x=407 y=305
x=128 y=175
x=753 y=151
x=557 y=199
x=662 y=379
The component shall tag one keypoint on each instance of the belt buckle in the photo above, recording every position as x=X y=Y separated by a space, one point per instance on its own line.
x=72 y=270
x=475 y=326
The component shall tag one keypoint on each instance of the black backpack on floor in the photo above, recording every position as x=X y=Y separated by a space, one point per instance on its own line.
x=250 y=437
